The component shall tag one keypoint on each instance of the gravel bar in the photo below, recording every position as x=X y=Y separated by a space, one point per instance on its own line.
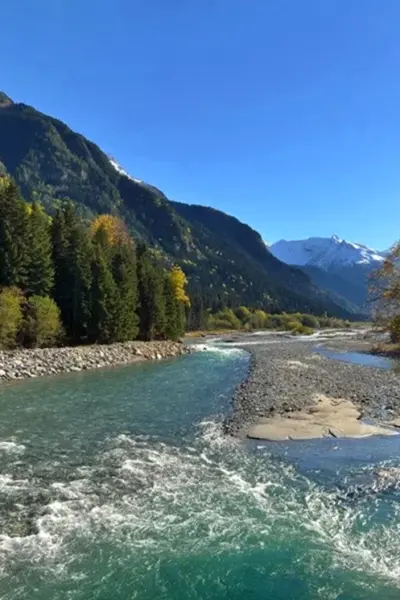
x=285 y=375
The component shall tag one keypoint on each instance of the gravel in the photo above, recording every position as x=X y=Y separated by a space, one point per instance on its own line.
x=285 y=374
x=23 y=364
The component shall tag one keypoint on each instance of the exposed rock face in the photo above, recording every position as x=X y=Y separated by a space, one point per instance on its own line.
x=22 y=364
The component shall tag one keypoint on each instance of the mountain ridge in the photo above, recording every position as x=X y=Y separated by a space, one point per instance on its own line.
x=339 y=266
x=226 y=260
x=324 y=252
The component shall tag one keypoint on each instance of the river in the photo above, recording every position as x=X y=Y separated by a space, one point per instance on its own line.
x=120 y=485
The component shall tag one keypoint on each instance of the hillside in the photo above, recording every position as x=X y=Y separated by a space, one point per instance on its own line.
x=225 y=260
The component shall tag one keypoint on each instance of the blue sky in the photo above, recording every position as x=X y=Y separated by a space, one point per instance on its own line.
x=284 y=113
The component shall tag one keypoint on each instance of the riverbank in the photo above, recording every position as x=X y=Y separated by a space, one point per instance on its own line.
x=389 y=350
x=286 y=376
x=24 y=364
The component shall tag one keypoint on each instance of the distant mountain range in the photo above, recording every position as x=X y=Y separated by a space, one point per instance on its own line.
x=226 y=261
x=336 y=265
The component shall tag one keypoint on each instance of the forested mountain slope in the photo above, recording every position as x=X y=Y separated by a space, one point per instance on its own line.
x=225 y=260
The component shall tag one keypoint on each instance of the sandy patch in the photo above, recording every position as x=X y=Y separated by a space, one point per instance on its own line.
x=328 y=417
x=297 y=364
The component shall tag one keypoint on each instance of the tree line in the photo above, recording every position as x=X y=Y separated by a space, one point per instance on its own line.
x=67 y=279
x=251 y=319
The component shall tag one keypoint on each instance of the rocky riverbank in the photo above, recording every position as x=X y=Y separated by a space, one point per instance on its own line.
x=22 y=364
x=286 y=376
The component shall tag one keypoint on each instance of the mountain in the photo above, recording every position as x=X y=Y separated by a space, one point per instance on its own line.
x=325 y=253
x=226 y=261
x=336 y=265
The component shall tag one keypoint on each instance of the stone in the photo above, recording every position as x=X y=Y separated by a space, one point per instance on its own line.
x=29 y=363
x=328 y=417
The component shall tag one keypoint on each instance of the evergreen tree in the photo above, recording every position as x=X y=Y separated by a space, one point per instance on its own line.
x=72 y=255
x=151 y=296
x=104 y=294
x=196 y=314
x=125 y=277
x=40 y=268
x=13 y=235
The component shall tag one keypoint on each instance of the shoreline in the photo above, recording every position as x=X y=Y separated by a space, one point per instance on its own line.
x=39 y=362
x=286 y=376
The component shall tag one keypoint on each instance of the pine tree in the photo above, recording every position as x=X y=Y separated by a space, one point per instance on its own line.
x=72 y=255
x=113 y=234
x=151 y=296
x=40 y=268
x=125 y=277
x=13 y=235
x=104 y=294
x=197 y=316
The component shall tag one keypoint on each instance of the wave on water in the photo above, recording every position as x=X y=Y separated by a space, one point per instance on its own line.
x=221 y=350
x=153 y=500
x=11 y=447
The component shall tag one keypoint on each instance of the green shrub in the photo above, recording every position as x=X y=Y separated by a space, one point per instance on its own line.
x=259 y=319
x=224 y=319
x=394 y=330
x=306 y=330
x=274 y=322
x=42 y=325
x=292 y=325
x=243 y=314
x=309 y=321
x=300 y=329
x=10 y=317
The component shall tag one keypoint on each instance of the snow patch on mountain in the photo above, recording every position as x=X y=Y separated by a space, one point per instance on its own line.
x=325 y=253
x=122 y=171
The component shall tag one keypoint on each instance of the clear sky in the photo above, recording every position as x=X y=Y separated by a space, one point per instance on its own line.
x=284 y=113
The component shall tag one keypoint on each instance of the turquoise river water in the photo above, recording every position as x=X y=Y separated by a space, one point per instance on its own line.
x=120 y=485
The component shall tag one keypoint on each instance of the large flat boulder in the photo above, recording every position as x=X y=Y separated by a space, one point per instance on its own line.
x=327 y=417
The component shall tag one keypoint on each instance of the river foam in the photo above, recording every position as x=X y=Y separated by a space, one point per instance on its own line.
x=213 y=497
x=125 y=496
x=219 y=350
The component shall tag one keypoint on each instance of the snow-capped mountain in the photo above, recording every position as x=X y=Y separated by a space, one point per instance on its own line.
x=338 y=266
x=326 y=253
x=122 y=171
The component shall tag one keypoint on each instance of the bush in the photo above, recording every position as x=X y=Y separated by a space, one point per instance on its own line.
x=259 y=319
x=300 y=329
x=309 y=321
x=292 y=325
x=274 y=322
x=394 y=330
x=42 y=326
x=10 y=317
x=243 y=314
x=224 y=319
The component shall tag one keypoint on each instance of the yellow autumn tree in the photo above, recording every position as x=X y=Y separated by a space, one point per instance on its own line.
x=114 y=228
x=179 y=281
